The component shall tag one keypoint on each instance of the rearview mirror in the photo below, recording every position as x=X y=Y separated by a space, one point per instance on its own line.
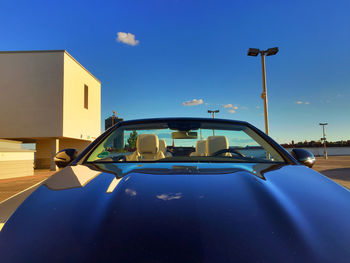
x=65 y=157
x=303 y=156
x=184 y=135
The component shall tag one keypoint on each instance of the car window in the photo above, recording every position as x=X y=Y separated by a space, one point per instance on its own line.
x=201 y=143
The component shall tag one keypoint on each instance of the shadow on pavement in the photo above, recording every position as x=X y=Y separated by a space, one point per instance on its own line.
x=340 y=173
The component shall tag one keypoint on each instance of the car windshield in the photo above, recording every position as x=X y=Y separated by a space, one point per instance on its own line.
x=178 y=141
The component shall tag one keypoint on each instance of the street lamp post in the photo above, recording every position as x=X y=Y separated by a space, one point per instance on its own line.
x=324 y=140
x=269 y=52
x=213 y=114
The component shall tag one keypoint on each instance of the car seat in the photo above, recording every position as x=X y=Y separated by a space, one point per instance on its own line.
x=147 y=148
x=200 y=148
x=217 y=143
x=163 y=148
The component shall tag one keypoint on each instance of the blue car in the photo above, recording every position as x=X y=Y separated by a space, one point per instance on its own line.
x=179 y=190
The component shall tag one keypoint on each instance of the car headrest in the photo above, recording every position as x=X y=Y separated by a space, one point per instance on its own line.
x=216 y=143
x=201 y=147
x=147 y=143
x=162 y=146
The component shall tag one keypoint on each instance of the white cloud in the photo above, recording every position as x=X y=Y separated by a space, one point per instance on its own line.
x=258 y=107
x=302 y=102
x=127 y=38
x=232 y=111
x=193 y=102
x=230 y=106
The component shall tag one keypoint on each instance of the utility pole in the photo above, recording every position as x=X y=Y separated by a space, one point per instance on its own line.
x=268 y=52
x=324 y=140
x=264 y=94
x=213 y=114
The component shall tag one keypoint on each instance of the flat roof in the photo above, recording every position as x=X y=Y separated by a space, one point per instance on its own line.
x=51 y=51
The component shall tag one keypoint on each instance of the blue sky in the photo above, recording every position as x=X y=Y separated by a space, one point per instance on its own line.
x=198 y=50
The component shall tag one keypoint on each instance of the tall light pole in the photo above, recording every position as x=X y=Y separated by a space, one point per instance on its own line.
x=268 y=52
x=324 y=140
x=213 y=112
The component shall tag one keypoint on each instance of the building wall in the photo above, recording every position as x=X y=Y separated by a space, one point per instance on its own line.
x=16 y=168
x=31 y=97
x=43 y=154
x=14 y=161
x=80 y=145
x=79 y=122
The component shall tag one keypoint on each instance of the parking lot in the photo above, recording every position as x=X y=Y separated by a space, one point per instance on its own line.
x=336 y=168
x=12 y=186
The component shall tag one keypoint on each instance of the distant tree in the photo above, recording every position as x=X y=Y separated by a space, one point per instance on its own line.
x=132 y=140
x=316 y=144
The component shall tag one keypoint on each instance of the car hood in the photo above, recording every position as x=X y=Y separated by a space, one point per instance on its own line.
x=181 y=213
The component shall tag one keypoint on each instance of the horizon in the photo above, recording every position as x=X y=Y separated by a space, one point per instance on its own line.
x=166 y=59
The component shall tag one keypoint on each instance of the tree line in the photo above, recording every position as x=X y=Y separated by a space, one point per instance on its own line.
x=316 y=144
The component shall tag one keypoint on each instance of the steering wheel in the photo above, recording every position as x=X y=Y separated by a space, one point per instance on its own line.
x=229 y=150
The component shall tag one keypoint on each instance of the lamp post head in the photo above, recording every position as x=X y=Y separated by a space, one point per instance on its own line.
x=271 y=51
x=253 y=52
x=323 y=123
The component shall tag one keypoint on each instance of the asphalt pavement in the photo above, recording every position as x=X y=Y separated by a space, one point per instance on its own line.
x=336 y=168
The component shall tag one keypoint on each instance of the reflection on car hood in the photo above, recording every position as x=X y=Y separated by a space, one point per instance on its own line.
x=181 y=213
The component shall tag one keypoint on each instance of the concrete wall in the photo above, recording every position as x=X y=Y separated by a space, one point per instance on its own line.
x=14 y=161
x=79 y=122
x=16 y=164
x=43 y=154
x=31 y=94
x=80 y=145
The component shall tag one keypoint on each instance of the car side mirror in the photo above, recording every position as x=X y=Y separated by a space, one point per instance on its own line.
x=65 y=157
x=303 y=156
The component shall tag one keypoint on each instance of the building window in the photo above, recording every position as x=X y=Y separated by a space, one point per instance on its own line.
x=86 y=96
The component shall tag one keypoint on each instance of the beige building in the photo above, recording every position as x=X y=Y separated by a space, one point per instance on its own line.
x=48 y=98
